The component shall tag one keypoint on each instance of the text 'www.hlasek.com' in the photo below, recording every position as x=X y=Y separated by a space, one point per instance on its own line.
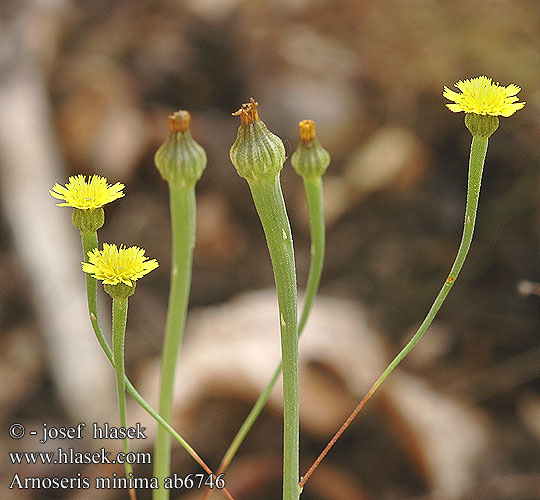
x=68 y=453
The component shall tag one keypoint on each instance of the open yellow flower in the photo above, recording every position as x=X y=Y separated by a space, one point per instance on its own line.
x=114 y=265
x=483 y=97
x=78 y=193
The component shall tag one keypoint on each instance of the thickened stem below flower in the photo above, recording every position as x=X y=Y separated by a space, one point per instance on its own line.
x=476 y=166
x=270 y=206
x=314 y=194
x=313 y=188
x=119 y=322
x=182 y=206
x=89 y=242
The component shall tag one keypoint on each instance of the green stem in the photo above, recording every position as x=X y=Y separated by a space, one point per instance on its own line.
x=314 y=194
x=90 y=241
x=182 y=206
x=119 y=322
x=476 y=166
x=271 y=209
x=313 y=188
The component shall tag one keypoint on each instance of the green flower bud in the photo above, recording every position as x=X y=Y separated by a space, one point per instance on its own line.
x=257 y=153
x=481 y=125
x=180 y=159
x=89 y=220
x=310 y=159
x=120 y=290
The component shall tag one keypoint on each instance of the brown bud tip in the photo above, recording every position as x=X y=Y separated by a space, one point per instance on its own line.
x=248 y=112
x=179 y=121
x=307 y=130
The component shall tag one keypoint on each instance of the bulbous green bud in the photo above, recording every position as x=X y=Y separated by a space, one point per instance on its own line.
x=481 y=125
x=120 y=290
x=257 y=153
x=89 y=220
x=180 y=159
x=310 y=159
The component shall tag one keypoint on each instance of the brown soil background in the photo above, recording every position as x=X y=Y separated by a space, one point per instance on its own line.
x=113 y=71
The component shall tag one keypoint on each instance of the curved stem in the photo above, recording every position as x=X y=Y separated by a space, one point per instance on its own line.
x=271 y=209
x=476 y=165
x=89 y=242
x=119 y=322
x=314 y=193
x=182 y=206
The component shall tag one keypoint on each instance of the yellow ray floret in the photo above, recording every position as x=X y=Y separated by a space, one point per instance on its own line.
x=483 y=97
x=115 y=265
x=78 y=193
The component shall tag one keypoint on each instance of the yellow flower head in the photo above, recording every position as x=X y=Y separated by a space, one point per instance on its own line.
x=78 y=193
x=483 y=97
x=115 y=265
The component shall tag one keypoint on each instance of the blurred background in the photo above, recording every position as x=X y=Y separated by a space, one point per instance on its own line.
x=86 y=87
